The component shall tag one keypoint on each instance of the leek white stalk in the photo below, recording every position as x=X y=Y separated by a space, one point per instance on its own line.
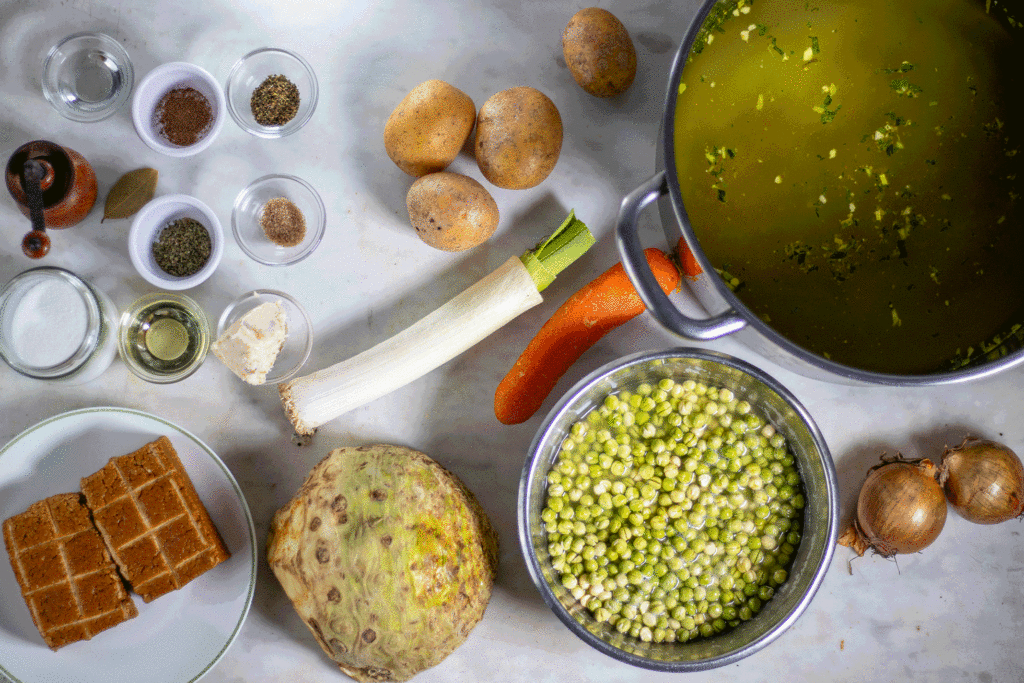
x=485 y=307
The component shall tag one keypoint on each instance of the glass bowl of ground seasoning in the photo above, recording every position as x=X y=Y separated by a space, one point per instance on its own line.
x=178 y=109
x=271 y=92
x=278 y=219
x=175 y=242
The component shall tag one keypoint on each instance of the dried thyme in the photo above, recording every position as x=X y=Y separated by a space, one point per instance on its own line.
x=182 y=248
x=275 y=101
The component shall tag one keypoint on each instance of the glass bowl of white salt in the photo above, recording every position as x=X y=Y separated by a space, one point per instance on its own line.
x=55 y=326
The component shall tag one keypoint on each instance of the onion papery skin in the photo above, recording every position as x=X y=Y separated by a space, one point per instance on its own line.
x=984 y=481
x=901 y=507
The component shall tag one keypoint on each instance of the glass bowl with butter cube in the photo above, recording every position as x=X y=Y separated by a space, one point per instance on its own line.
x=264 y=337
x=163 y=337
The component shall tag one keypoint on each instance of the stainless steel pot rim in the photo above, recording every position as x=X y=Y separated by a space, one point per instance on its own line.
x=741 y=315
x=526 y=485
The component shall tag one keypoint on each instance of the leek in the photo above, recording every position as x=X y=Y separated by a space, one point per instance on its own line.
x=511 y=289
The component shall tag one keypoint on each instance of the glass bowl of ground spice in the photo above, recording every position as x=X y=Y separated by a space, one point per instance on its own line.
x=271 y=92
x=175 y=242
x=278 y=219
x=178 y=109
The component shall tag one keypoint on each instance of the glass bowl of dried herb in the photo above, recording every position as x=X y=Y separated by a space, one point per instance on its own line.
x=175 y=242
x=278 y=219
x=271 y=92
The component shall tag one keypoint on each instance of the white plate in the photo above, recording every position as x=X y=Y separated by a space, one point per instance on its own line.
x=179 y=636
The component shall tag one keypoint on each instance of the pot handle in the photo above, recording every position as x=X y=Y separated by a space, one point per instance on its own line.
x=633 y=260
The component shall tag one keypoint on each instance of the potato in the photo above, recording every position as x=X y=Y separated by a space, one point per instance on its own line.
x=428 y=127
x=518 y=138
x=450 y=211
x=599 y=52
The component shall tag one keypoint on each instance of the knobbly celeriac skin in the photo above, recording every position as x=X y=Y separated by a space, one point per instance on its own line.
x=673 y=511
x=387 y=557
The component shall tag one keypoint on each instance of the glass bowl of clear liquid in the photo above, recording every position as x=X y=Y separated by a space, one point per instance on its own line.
x=163 y=337
x=87 y=76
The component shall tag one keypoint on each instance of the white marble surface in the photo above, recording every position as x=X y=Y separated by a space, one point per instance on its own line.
x=952 y=613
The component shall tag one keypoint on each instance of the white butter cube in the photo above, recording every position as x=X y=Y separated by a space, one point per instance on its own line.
x=250 y=345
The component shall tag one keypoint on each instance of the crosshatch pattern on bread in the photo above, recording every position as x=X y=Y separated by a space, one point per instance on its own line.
x=154 y=524
x=67 y=578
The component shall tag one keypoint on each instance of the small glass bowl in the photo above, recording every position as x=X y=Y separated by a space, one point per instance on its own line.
x=245 y=219
x=87 y=76
x=181 y=337
x=297 y=344
x=251 y=70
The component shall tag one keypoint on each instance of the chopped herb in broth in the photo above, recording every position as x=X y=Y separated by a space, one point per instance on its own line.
x=853 y=170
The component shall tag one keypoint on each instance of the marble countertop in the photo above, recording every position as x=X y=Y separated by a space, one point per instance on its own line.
x=951 y=613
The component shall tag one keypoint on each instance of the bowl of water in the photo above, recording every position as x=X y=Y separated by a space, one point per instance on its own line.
x=87 y=76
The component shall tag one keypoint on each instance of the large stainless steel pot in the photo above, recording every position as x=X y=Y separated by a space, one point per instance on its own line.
x=729 y=315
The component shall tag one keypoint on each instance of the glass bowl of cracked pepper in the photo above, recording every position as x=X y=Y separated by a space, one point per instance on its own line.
x=271 y=92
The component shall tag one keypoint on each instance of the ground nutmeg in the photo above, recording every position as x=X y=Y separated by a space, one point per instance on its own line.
x=283 y=222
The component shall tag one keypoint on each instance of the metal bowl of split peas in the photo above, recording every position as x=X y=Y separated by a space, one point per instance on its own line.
x=678 y=509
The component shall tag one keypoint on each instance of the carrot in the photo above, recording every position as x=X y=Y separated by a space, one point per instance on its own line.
x=589 y=314
x=691 y=269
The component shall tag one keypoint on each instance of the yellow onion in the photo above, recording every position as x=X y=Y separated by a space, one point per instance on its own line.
x=901 y=509
x=983 y=480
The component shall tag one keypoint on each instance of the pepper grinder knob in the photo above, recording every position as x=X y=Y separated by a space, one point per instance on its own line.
x=34 y=173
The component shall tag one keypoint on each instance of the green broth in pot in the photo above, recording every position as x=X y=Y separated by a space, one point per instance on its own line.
x=853 y=171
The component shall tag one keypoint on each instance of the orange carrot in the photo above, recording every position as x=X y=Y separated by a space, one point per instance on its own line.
x=589 y=314
x=691 y=269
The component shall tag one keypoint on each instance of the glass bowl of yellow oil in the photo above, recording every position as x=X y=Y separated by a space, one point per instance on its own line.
x=163 y=337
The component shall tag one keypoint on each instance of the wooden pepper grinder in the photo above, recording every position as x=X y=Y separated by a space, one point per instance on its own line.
x=54 y=186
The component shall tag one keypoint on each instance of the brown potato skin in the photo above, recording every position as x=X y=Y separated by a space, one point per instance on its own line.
x=518 y=138
x=599 y=52
x=428 y=127
x=450 y=211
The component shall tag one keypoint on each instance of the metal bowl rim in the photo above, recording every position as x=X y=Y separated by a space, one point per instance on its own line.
x=532 y=462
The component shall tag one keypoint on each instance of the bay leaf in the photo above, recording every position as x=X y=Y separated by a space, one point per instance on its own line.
x=130 y=193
